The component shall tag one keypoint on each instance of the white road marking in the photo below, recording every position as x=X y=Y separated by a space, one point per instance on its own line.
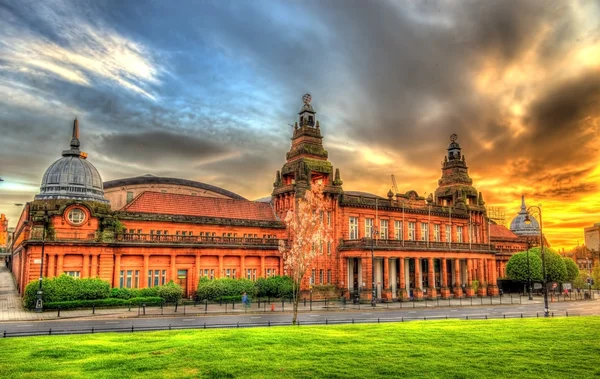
x=189 y=319
x=314 y=315
x=256 y=317
x=24 y=326
x=112 y=322
x=366 y=314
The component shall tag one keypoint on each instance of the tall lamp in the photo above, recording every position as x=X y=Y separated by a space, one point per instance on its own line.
x=529 y=289
x=39 y=305
x=374 y=233
x=538 y=209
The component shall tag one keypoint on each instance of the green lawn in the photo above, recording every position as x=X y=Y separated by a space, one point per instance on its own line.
x=516 y=348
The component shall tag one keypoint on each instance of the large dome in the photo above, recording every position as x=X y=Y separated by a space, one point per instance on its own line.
x=72 y=176
x=520 y=227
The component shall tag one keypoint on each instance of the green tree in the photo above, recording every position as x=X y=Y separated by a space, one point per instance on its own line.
x=516 y=268
x=572 y=269
x=556 y=271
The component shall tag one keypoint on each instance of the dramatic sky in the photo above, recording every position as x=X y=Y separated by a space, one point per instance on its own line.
x=206 y=91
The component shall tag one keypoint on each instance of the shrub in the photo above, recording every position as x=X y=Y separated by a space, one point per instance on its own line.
x=111 y=302
x=516 y=268
x=219 y=288
x=66 y=288
x=170 y=292
x=275 y=286
x=556 y=271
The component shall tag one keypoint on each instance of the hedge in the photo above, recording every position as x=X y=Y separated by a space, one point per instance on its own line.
x=66 y=288
x=111 y=302
x=232 y=289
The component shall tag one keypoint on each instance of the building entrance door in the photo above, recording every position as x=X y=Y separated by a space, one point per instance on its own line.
x=182 y=281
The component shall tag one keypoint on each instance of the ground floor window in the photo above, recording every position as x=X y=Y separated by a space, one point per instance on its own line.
x=74 y=274
x=329 y=276
x=321 y=276
x=157 y=278
x=230 y=273
x=208 y=273
x=251 y=274
x=129 y=279
x=271 y=272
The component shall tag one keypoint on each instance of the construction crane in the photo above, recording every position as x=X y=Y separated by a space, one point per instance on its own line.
x=395 y=186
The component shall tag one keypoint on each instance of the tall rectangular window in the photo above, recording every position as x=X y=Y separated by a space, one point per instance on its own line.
x=384 y=232
x=411 y=231
x=329 y=276
x=398 y=230
x=312 y=276
x=448 y=233
x=368 y=227
x=321 y=276
x=353 y=228
x=459 y=234
x=436 y=232
x=129 y=197
x=424 y=231
x=328 y=247
x=328 y=218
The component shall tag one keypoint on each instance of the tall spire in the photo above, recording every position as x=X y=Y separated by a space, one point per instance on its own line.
x=523 y=207
x=74 y=151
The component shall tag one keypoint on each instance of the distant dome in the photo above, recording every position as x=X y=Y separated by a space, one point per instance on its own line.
x=520 y=227
x=72 y=176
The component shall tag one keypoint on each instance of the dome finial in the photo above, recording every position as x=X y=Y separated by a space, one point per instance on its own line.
x=523 y=207
x=75 y=138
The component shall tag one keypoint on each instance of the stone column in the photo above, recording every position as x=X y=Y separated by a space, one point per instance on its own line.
x=481 y=272
x=117 y=273
x=173 y=268
x=262 y=266
x=243 y=266
x=281 y=267
x=86 y=266
x=431 y=268
x=145 y=271
x=385 y=283
x=418 y=290
x=470 y=291
x=59 y=265
x=403 y=293
x=445 y=291
x=51 y=269
x=94 y=265
x=493 y=285
x=457 y=288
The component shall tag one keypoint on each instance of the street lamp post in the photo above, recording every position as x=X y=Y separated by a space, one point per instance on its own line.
x=39 y=305
x=538 y=208
x=529 y=289
x=374 y=233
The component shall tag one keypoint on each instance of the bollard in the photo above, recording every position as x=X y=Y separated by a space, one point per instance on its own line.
x=424 y=318
x=131 y=328
x=238 y=324
x=175 y=307
x=50 y=331
x=232 y=305
x=504 y=316
x=537 y=314
x=269 y=322
x=521 y=315
x=184 y=309
x=93 y=309
x=92 y=330
x=326 y=322
x=258 y=303
x=353 y=320
x=169 y=326
x=486 y=317
x=204 y=325
x=272 y=307
x=467 y=317
x=205 y=306
x=144 y=308
x=402 y=320
x=552 y=314
x=58 y=312
x=4 y=334
x=567 y=313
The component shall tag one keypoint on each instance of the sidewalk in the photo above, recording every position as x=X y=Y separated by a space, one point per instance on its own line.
x=11 y=306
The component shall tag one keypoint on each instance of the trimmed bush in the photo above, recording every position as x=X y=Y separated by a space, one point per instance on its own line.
x=275 y=286
x=213 y=290
x=66 y=288
x=516 y=268
x=107 y=303
x=170 y=292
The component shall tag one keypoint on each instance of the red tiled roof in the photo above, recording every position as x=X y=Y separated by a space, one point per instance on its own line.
x=501 y=231
x=200 y=206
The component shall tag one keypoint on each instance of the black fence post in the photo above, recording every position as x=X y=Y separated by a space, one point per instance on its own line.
x=205 y=306
x=184 y=309
x=232 y=304
x=92 y=330
x=58 y=312
x=93 y=309
x=144 y=308
x=175 y=307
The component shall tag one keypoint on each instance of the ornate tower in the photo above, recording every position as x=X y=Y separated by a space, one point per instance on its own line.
x=455 y=188
x=306 y=163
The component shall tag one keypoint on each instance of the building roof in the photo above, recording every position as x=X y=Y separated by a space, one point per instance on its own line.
x=151 y=179
x=363 y=194
x=188 y=205
x=501 y=231
x=72 y=176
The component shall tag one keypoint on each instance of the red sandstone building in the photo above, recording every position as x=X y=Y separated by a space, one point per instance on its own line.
x=146 y=231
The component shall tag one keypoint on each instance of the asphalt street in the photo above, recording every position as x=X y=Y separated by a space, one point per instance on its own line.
x=378 y=314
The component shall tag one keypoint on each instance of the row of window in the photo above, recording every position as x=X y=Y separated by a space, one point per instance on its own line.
x=398 y=232
x=185 y=233
x=321 y=278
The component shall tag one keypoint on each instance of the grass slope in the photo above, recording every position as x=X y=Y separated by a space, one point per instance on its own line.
x=529 y=348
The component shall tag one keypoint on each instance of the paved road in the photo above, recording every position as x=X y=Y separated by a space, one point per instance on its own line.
x=107 y=323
